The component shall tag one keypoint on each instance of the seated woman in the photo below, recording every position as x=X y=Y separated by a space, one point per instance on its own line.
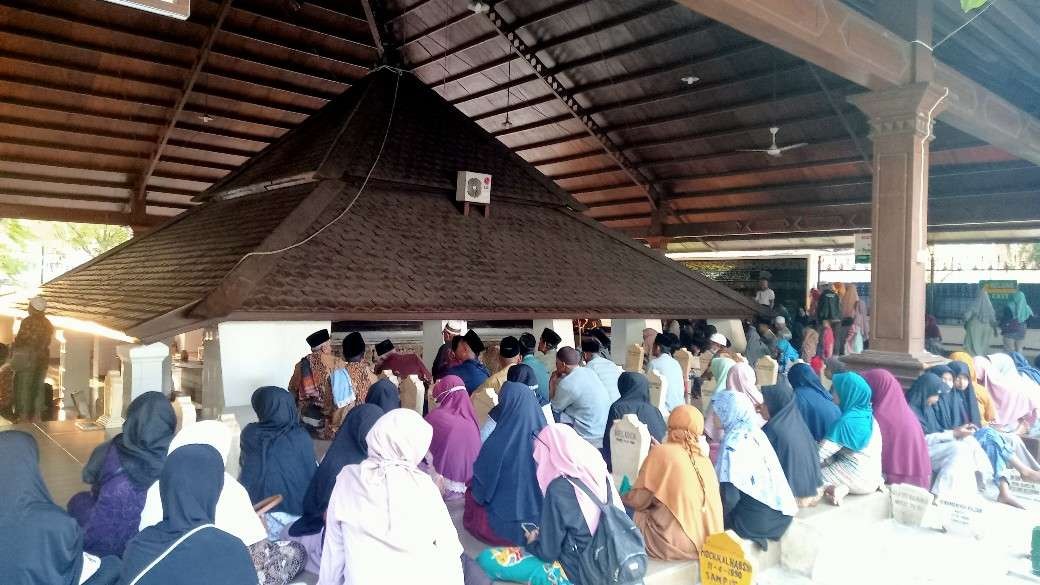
x=814 y=401
x=276 y=561
x=186 y=548
x=731 y=376
x=520 y=373
x=1016 y=408
x=41 y=544
x=569 y=518
x=504 y=493
x=119 y=473
x=676 y=496
x=1004 y=365
x=635 y=399
x=757 y=501
x=277 y=456
x=850 y=454
x=456 y=437
x=384 y=394
x=793 y=443
x=347 y=448
x=904 y=452
x=386 y=521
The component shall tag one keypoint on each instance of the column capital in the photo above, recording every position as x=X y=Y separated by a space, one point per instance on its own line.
x=905 y=109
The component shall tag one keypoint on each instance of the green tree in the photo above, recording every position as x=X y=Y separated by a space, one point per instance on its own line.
x=94 y=239
x=13 y=237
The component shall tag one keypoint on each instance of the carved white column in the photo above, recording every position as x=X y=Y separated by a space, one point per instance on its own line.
x=112 y=408
x=142 y=368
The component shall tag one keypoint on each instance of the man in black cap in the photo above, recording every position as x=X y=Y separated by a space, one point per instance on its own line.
x=361 y=375
x=547 y=345
x=312 y=385
x=607 y=371
x=467 y=349
x=401 y=364
x=527 y=350
x=509 y=355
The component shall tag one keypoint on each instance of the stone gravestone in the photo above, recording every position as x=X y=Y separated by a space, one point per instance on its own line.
x=112 y=413
x=1021 y=488
x=910 y=503
x=629 y=445
x=658 y=390
x=389 y=375
x=724 y=562
x=483 y=402
x=184 y=409
x=413 y=392
x=685 y=359
x=962 y=515
x=547 y=411
x=231 y=422
x=766 y=370
x=634 y=358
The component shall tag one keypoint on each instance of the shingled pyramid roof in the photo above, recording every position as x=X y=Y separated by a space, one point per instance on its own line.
x=399 y=248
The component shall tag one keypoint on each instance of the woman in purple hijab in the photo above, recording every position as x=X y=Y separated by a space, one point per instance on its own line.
x=456 y=436
x=904 y=452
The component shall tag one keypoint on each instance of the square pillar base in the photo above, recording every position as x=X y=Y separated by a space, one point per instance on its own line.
x=905 y=367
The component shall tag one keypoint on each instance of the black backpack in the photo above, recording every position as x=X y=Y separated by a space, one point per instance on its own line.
x=617 y=554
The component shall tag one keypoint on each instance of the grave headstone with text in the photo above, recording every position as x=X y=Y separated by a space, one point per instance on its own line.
x=766 y=371
x=231 y=423
x=962 y=516
x=629 y=445
x=1022 y=489
x=634 y=358
x=483 y=402
x=413 y=393
x=658 y=390
x=724 y=562
x=910 y=503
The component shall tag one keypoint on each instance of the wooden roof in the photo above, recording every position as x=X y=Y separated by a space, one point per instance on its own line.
x=374 y=233
x=96 y=125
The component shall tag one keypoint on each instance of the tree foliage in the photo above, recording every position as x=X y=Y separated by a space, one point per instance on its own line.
x=92 y=239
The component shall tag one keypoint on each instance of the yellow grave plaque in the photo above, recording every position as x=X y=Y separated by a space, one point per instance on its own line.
x=723 y=562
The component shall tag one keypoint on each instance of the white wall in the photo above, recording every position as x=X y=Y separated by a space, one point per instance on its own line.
x=261 y=353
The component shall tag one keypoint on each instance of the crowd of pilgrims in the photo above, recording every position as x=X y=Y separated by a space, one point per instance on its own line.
x=162 y=508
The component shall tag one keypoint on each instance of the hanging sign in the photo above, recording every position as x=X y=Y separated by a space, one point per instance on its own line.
x=999 y=289
x=861 y=244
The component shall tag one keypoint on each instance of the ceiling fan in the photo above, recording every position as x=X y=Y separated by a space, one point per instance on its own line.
x=773 y=149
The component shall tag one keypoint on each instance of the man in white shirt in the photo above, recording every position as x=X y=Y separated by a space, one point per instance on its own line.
x=607 y=371
x=578 y=397
x=765 y=295
x=664 y=345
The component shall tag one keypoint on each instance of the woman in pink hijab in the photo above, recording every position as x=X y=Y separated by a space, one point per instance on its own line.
x=456 y=436
x=1016 y=409
x=569 y=516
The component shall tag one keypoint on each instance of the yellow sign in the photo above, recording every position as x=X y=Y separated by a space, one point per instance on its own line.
x=723 y=562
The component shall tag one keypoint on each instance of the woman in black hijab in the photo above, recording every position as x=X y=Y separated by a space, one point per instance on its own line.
x=120 y=472
x=277 y=453
x=635 y=399
x=794 y=444
x=385 y=395
x=185 y=548
x=348 y=448
x=41 y=544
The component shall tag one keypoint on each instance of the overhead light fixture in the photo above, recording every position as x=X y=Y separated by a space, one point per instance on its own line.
x=179 y=9
x=507 y=123
x=479 y=6
x=690 y=79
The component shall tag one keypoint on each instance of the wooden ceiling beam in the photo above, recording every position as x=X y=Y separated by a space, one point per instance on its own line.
x=86 y=197
x=72 y=214
x=836 y=37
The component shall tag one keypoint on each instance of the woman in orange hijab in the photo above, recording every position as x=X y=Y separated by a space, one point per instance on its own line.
x=676 y=497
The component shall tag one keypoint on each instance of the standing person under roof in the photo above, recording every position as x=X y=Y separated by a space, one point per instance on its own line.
x=361 y=375
x=606 y=370
x=578 y=397
x=467 y=349
x=321 y=385
x=445 y=356
x=547 y=344
x=401 y=364
x=509 y=355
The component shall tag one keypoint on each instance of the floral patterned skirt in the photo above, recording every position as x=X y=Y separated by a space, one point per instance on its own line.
x=516 y=565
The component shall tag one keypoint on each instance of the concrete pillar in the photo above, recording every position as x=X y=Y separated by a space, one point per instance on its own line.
x=901 y=122
x=563 y=327
x=212 y=398
x=113 y=401
x=432 y=339
x=142 y=369
x=625 y=332
x=260 y=353
x=79 y=349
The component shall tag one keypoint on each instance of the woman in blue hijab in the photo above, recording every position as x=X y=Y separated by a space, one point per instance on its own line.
x=385 y=395
x=277 y=455
x=185 y=548
x=814 y=401
x=851 y=451
x=504 y=494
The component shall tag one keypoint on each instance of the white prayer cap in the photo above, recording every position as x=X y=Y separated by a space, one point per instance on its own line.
x=455 y=327
x=38 y=303
x=719 y=339
x=780 y=320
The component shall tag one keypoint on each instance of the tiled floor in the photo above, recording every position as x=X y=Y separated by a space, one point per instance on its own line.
x=63 y=451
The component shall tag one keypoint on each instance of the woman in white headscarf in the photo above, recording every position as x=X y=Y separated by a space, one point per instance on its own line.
x=235 y=513
x=980 y=325
x=386 y=521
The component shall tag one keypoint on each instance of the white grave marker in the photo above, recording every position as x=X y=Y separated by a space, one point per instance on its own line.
x=766 y=371
x=634 y=358
x=413 y=391
x=910 y=503
x=231 y=423
x=547 y=411
x=389 y=375
x=112 y=416
x=962 y=515
x=184 y=410
x=658 y=390
x=629 y=445
x=483 y=402
x=1023 y=489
